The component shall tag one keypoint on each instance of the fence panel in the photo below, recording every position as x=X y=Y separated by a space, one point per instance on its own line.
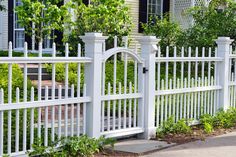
x=70 y=96
x=45 y=109
x=186 y=85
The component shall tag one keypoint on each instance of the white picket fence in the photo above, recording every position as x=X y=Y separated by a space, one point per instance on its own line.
x=157 y=84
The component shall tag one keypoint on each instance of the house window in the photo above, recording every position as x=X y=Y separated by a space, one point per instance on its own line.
x=47 y=42
x=19 y=35
x=155 y=8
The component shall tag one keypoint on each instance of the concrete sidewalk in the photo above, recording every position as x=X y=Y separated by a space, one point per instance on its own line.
x=220 y=146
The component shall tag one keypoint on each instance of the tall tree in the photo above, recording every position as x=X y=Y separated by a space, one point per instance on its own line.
x=111 y=17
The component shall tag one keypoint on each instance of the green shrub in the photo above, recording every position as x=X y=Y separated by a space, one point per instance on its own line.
x=207 y=122
x=111 y=17
x=222 y=119
x=208 y=128
x=225 y=119
x=71 y=146
x=170 y=127
x=17 y=80
x=182 y=127
x=60 y=73
x=168 y=31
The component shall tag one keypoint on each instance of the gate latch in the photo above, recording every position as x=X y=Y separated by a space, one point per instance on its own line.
x=145 y=70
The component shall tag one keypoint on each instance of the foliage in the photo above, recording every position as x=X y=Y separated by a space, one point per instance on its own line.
x=20 y=54
x=211 y=22
x=169 y=32
x=182 y=127
x=72 y=147
x=222 y=119
x=111 y=17
x=225 y=119
x=170 y=127
x=207 y=122
x=60 y=73
x=218 y=19
x=42 y=17
x=17 y=80
x=2 y=7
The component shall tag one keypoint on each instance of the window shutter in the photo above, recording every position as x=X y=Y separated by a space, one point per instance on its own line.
x=86 y=2
x=166 y=6
x=142 y=14
x=10 y=20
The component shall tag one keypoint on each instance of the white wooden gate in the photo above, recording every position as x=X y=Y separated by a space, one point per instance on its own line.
x=122 y=96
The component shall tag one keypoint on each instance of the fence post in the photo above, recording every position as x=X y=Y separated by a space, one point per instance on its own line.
x=93 y=72
x=223 y=70
x=148 y=53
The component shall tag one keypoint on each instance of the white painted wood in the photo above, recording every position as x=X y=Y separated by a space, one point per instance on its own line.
x=78 y=93
x=148 y=53
x=114 y=51
x=59 y=112
x=66 y=89
x=39 y=89
x=162 y=102
x=103 y=94
x=130 y=105
x=121 y=96
x=223 y=50
x=187 y=59
x=187 y=90
x=9 y=100
x=17 y=121
x=34 y=60
x=84 y=110
x=31 y=119
x=174 y=84
x=49 y=103
x=1 y=123
x=93 y=49
x=72 y=112
x=185 y=100
x=114 y=85
x=170 y=108
x=53 y=92
x=178 y=105
x=119 y=108
x=125 y=87
x=46 y=119
x=193 y=90
x=108 y=108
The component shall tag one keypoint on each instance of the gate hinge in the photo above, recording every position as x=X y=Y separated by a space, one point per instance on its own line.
x=145 y=70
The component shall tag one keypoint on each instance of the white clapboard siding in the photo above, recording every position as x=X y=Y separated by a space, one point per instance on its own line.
x=4 y=27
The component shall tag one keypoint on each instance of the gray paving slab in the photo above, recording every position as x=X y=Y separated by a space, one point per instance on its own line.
x=141 y=146
x=220 y=146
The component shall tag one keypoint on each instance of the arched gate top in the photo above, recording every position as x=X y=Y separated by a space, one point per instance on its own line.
x=107 y=54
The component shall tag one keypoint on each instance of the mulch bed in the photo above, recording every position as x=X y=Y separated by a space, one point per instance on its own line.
x=197 y=134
